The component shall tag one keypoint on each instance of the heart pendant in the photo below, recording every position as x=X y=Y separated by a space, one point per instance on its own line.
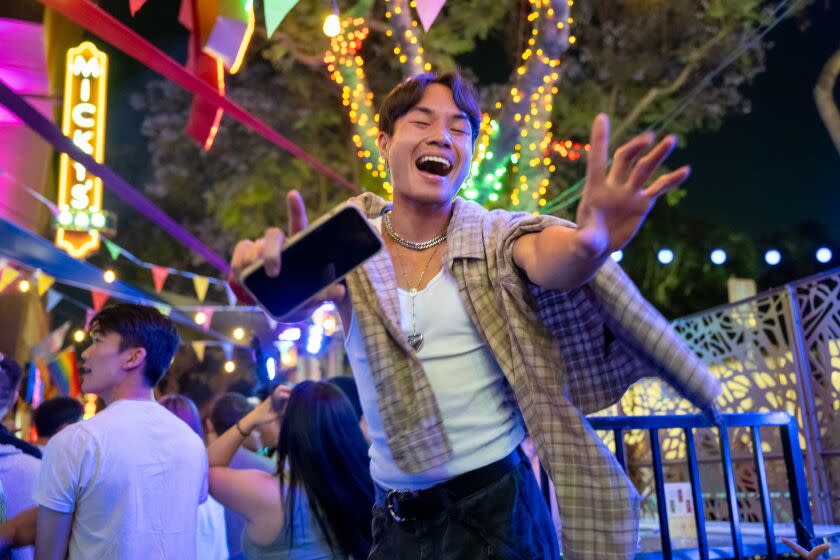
x=416 y=341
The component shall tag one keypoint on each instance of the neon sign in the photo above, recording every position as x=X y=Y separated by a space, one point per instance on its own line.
x=79 y=193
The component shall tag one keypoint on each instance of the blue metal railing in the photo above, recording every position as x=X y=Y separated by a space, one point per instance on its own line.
x=800 y=505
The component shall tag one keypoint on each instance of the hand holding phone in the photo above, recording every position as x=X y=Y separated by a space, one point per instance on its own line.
x=312 y=260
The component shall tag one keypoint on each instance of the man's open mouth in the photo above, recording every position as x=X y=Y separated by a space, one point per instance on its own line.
x=434 y=165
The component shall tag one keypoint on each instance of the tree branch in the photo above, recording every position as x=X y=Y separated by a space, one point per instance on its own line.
x=655 y=93
x=824 y=97
x=313 y=61
x=401 y=21
x=553 y=42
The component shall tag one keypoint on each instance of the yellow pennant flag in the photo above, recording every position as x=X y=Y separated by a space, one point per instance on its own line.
x=7 y=276
x=45 y=282
x=200 y=283
x=198 y=348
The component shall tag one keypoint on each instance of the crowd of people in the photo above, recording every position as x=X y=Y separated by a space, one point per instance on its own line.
x=470 y=332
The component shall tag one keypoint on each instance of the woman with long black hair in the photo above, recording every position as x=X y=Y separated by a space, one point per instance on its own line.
x=318 y=506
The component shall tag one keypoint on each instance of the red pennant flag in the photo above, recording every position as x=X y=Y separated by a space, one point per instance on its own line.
x=135 y=5
x=99 y=299
x=185 y=14
x=89 y=313
x=159 y=274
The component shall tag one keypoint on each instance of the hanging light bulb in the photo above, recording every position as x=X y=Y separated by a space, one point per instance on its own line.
x=109 y=276
x=238 y=333
x=332 y=26
x=230 y=367
x=200 y=317
x=79 y=335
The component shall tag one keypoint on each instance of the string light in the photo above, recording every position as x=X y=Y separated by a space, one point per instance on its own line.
x=332 y=25
x=79 y=335
x=665 y=256
x=238 y=333
x=824 y=255
x=24 y=286
x=772 y=257
x=230 y=366
x=109 y=276
x=718 y=256
x=200 y=317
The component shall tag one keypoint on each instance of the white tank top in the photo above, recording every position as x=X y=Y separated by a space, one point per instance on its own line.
x=482 y=424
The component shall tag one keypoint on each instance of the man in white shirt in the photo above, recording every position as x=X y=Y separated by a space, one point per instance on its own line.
x=126 y=483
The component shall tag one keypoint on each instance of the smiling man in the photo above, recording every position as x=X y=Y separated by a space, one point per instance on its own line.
x=472 y=327
x=126 y=483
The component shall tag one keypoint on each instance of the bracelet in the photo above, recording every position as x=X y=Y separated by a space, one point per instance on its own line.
x=238 y=429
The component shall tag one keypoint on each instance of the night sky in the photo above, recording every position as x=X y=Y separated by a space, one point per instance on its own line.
x=776 y=167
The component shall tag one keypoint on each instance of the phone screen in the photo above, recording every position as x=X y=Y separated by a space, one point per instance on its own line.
x=314 y=261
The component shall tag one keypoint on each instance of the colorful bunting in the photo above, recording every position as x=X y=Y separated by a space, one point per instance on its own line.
x=275 y=12
x=199 y=347
x=200 y=283
x=185 y=14
x=89 y=314
x=99 y=299
x=159 y=274
x=208 y=314
x=135 y=5
x=45 y=282
x=164 y=309
x=428 y=10
x=113 y=249
x=7 y=276
x=53 y=298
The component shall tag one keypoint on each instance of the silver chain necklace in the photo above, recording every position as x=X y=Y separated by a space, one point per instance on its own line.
x=389 y=227
x=415 y=339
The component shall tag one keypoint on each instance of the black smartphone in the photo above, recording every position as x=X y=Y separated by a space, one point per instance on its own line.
x=318 y=256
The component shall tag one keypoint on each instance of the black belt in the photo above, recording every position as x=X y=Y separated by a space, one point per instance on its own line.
x=411 y=505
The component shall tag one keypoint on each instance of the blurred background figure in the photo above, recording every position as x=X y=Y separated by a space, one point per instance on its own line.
x=229 y=409
x=319 y=504
x=10 y=376
x=210 y=530
x=53 y=415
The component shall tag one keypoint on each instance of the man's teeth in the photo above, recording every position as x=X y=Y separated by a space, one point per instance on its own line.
x=436 y=159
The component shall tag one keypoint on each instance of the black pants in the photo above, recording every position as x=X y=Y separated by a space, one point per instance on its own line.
x=506 y=520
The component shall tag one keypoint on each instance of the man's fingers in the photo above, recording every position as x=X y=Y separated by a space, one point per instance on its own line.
x=243 y=255
x=667 y=182
x=297 y=212
x=626 y=155
x=596 y=165
x=796 y=548
x=647 y=165
x=272 y=244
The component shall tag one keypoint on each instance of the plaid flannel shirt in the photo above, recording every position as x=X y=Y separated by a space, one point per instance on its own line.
x=564 y=354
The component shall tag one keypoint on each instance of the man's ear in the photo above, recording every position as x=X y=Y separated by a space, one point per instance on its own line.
x=383 y=142
x=133 y=357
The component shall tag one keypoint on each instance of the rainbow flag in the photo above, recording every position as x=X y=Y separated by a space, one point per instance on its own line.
x=64 y=372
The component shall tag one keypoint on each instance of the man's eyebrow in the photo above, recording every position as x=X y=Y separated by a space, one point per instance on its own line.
x=428 y=111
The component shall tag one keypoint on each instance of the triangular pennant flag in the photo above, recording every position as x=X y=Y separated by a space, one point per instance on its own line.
x=275 y=11
x=31 y=382
x=159 y=274
x=135 y=5
x=198 y=347
x=228 y=348
x=89 y=314
x=7 y=276
x=45 y=282
x=208 y=313
x=113 y=249
x=428 y=10
x=53 y=298
x=99 y=299
x=200 y=283
x=164 y=309
x=185 y=14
